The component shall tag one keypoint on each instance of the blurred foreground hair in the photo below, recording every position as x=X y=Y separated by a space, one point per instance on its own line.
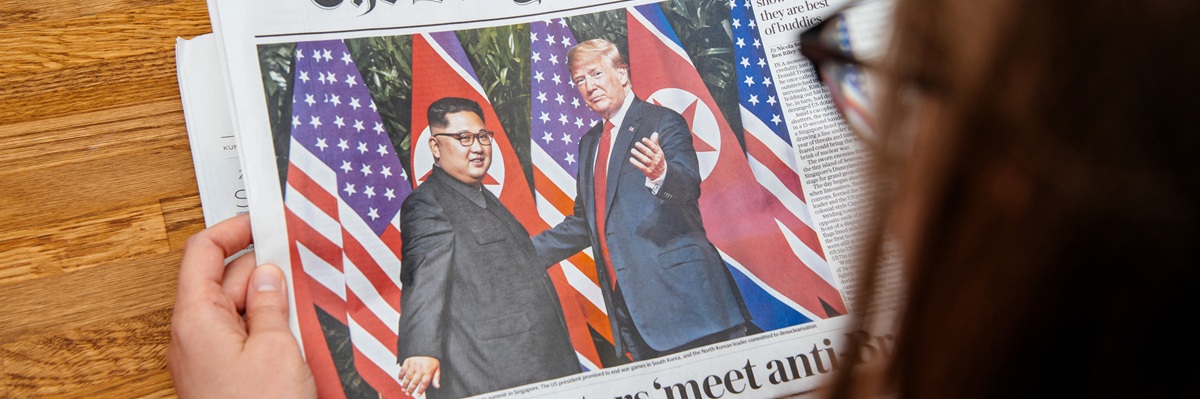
x=1047 y=201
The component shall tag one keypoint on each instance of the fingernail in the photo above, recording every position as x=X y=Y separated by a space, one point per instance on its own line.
x=267 y=279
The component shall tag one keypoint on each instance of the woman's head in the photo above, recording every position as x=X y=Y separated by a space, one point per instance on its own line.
x=1050 y=199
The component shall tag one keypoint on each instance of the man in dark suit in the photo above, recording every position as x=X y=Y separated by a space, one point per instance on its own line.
x=478 y=312
x=665 y=286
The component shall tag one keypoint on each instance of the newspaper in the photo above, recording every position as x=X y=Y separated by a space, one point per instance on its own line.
x=782 y=195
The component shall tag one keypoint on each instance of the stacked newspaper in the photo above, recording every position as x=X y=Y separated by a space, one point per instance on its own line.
x=310 y=114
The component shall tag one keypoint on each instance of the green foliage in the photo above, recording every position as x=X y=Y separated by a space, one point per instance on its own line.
x=385 y=64
x=500 y=57
x=703 y=27
x=608 y=25
x=275 y=61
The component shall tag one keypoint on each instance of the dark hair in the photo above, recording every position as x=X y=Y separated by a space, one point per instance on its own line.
x=1049 y=210
x=449 y=105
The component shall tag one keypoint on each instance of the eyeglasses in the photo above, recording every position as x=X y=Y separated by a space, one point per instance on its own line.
x=468 y=138
x=838 y=59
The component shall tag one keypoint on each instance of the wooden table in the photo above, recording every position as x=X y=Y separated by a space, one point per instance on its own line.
x=97 y=194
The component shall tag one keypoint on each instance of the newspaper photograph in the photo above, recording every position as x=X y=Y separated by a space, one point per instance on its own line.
x=625 y=199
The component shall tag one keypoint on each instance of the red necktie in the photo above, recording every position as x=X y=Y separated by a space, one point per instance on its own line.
x=601 y=191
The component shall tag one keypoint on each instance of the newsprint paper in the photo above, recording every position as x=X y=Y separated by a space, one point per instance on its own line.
x=328 y=100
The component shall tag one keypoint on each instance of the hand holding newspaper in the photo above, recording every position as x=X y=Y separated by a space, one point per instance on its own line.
x=756 y=215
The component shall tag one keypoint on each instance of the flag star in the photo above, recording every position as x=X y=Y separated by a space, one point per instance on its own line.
x=762 y=62
x=767 y=81
x=358 y=126
x=362 y=148
x=741 y=43
x=579 y=122
x=373 y=106
x=533 y=37
x=308 y=98
x=547 y=137
x=566 y=138
x=315 y=122
x=295 y=121
x=749 y=81
x=403 y=175
x=539 y=76
x=562 y=22
x=559 y=98
x=571 y=82
x=351 y=80
x=346 y=167
x=562 y=118
x=745 y=62
x=299 y=55
x=775 y=118
x=537 y=57
x=366 y=170
x=346 y=57
x=570 y=159
x=554 y=59
x=386 y=171
x=752 y=24
x=550 y=39
x=541 y=97
x=732 y=4
x=349 y=189
x=557 y=79
x=737 y=23
x=390 y=194
x=335 y=100
x=545 y=117
x=316 y=55
x=372 y=212
x=304 y=75
x=757 y=43
x=331 y=78
x=382 y=150
x=354 y=103
x=575 y=101
x=337 y=120
x=746 y=4
x=328 y=55
x=370 y=192
x=322 y=77
x=753 y=99
x=343 y=144
x=771 y=100
x=566 y=41
x=378 y=128
x=321 y=144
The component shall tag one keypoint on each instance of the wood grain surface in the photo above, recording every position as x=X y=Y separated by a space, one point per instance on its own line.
x=97 y=194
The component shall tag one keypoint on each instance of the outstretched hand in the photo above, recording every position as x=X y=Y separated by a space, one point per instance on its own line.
x=229 y=330
x=418 y=372
x=648 y=157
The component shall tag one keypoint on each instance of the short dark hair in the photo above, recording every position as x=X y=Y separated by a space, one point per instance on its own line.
x=449 y=105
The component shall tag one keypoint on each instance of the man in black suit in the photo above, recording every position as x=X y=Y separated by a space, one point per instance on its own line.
x=478 y=312
x=664 y=284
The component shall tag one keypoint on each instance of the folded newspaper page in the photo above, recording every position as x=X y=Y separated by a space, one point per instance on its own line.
x=598 y=199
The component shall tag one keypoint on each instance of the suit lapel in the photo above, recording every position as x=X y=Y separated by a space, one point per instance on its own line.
x=618 y=159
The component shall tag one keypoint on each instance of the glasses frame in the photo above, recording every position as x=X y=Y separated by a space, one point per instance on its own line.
x=468 y=139
x=825 y=57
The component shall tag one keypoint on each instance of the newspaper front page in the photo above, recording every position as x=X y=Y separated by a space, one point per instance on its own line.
x=329 y=101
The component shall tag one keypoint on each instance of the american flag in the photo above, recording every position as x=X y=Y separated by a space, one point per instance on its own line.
x=342 y=202
x=768 y=143
x=560 y=118
x=779 y=287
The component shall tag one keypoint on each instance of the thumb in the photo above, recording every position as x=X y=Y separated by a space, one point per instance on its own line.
x=267 y=301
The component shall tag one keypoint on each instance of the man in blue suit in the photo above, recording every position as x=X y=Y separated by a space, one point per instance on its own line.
x=665 y=286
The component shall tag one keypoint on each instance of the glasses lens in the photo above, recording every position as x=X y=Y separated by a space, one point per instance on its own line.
x=484 y=137
x=841 y=49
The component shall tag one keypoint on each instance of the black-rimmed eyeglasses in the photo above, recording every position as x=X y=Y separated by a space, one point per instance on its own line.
x=845 y=75
x=468 y=138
